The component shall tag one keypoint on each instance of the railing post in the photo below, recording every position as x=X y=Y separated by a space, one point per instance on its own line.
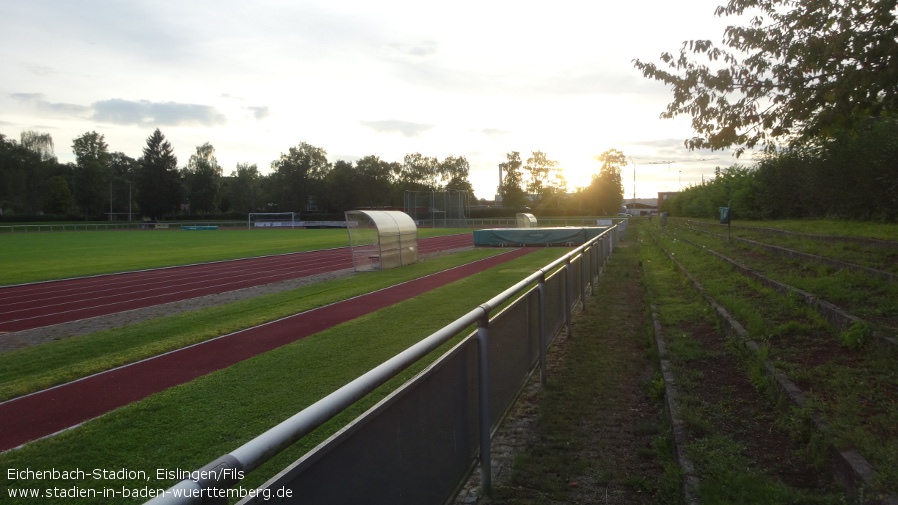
x=591 y=262
x=596 y=265
x=484 y=402
x=543 y=338
x=568 y=285
x=584 y=266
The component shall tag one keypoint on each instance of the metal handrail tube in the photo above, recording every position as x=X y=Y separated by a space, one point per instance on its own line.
x=259 y=450
x=387 y=370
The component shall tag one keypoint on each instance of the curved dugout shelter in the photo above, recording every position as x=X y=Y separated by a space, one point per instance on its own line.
x=525 y=220
x=381 y=239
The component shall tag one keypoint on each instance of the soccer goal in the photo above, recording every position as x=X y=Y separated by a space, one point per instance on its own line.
x=438 y=209
x=273 y=220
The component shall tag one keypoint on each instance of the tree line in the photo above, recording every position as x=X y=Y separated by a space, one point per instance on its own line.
x=34 y=183
x=853 y=176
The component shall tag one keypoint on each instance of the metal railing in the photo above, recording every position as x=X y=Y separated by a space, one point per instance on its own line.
x=419 y=444
x=511 y=222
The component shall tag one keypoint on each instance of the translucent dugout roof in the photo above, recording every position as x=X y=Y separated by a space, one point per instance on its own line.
x=525 y=220
x=381 y=239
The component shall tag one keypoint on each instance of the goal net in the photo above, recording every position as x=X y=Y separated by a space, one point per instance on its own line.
x=273 y=220
x=438 y=209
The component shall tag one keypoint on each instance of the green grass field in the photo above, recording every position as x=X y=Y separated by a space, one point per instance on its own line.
x=31 y=257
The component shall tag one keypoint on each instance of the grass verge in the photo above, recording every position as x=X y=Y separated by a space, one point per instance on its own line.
x=600 y=435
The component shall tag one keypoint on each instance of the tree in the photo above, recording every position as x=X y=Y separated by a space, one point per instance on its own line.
x=38 y=143
x=244 y=188
x=377 y=180
x=16 y=166
x=92 y=173
x=343 y=187
x=122 y=165
x=203 y=179
x=799 y=71
x=419 y=173
x=605 y=193
x=512 y=192
x=124 y=170
x=25 y=169
x=454 y=174
x=555 y=192
x=60 y=200
x=158 y=180
x=540 y=170
x=298 y=175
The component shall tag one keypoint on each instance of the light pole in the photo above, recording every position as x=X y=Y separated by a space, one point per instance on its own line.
x=633 y=203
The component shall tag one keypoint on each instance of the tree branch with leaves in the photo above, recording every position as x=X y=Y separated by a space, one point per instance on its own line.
x=797 y=72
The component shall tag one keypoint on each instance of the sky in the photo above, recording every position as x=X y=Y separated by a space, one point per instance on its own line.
x=477 y=79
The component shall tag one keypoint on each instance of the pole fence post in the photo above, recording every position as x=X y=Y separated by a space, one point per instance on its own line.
x=484 y=402
x=543 y=338
x=568 y=306
x=584 y=266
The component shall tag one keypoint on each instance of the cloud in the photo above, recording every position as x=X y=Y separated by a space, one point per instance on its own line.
x=39 y=101
x=670 y=150
x=39 y=70
x=416 y=50
x=260 y=112
x=494 y=132
x=129 y=112
x=146 y=113
x=396 y=126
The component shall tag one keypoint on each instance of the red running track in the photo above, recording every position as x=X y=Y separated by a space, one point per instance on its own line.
x=49 y=411
x=28 y=306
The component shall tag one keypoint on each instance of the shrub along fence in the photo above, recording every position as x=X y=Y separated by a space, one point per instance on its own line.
x=420 y=443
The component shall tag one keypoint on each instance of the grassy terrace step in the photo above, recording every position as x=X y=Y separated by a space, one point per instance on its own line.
x=854 y=389
x=187 y=426
x=599 y=435
x=867 y=297
x=835 y=247
x=744 y=450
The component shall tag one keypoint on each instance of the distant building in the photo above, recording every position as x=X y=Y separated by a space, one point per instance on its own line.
x=664 y=195
x=640 y=206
